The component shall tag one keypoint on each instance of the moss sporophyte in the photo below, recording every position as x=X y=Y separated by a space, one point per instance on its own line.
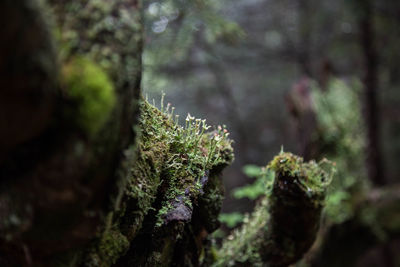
x=176 y=168
x=190 y=153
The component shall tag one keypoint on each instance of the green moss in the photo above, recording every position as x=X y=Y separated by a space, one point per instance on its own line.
x=210 y=202
x=145 y=177
x=189 y=154
x=108 y=32
x=112 y=245
x=89 y=87
x=242 y=246
x=109 y=248
x=174 y=162
x=311 y=176
x=286 y=219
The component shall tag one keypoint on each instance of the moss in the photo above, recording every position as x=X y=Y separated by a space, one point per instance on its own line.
x=110 y=246
x=296 y=202
x=190 y=154
x=109 y=32
x=170 y=175
x=210 y=202
x=311 y=177
x=92 y=92
x=241 y=248
x=285 y=221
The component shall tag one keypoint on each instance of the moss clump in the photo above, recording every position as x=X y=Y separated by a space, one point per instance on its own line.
x=285 y=221
x=241 y=248
x=145 y=177
x=175 y=169
x=108 y=249
x=311 y=177
x=296 y=202
x=91 y=92
x=189 y=153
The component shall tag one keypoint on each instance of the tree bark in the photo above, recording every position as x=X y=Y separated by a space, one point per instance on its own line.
x=56 y=178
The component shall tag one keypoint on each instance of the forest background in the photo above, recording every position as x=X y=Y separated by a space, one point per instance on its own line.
x=236 y=62
x=86 y=177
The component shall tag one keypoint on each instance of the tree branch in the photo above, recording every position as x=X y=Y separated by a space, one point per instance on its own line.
x=285 y=223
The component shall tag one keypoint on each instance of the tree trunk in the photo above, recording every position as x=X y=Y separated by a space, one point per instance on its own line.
x=59 y=162
x=371 y=83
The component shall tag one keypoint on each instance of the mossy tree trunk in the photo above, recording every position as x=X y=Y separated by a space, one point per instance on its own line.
x=76 y=189
x=59 y=162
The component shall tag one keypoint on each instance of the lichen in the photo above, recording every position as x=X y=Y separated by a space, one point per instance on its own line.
x=91 y=92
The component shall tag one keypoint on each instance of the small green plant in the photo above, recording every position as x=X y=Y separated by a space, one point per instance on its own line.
x=192 y=153
x=263 y=179
x=231 y=219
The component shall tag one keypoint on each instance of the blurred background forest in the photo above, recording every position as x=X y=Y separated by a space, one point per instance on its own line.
x=317 y=78
x=243 y=63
